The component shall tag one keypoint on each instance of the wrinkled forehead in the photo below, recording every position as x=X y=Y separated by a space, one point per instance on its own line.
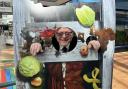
x=63 y=29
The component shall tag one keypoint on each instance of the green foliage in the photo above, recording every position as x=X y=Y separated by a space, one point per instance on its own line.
x=121 y=38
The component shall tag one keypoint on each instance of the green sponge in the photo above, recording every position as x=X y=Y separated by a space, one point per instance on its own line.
x=85 y=15
x=29 y=66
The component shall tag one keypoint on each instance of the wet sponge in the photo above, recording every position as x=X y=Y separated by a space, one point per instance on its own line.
x=29 y=66
x=85 y=15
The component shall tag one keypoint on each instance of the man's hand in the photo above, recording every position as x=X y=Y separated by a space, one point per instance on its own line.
x=94 y=44
x=35 y=48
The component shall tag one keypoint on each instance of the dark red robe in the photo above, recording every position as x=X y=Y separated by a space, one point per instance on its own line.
x=73 y=78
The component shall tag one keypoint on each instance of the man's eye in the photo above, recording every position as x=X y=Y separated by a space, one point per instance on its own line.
x=66 y=33
x=60 y=34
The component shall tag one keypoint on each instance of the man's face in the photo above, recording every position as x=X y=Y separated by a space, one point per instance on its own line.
x=64 y=36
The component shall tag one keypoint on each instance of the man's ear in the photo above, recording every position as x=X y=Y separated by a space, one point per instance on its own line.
x=55 y=43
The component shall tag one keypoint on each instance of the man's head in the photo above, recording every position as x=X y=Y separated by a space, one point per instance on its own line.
x=64 y=36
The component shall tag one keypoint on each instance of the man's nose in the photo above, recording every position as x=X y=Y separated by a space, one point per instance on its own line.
x=63 y=35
